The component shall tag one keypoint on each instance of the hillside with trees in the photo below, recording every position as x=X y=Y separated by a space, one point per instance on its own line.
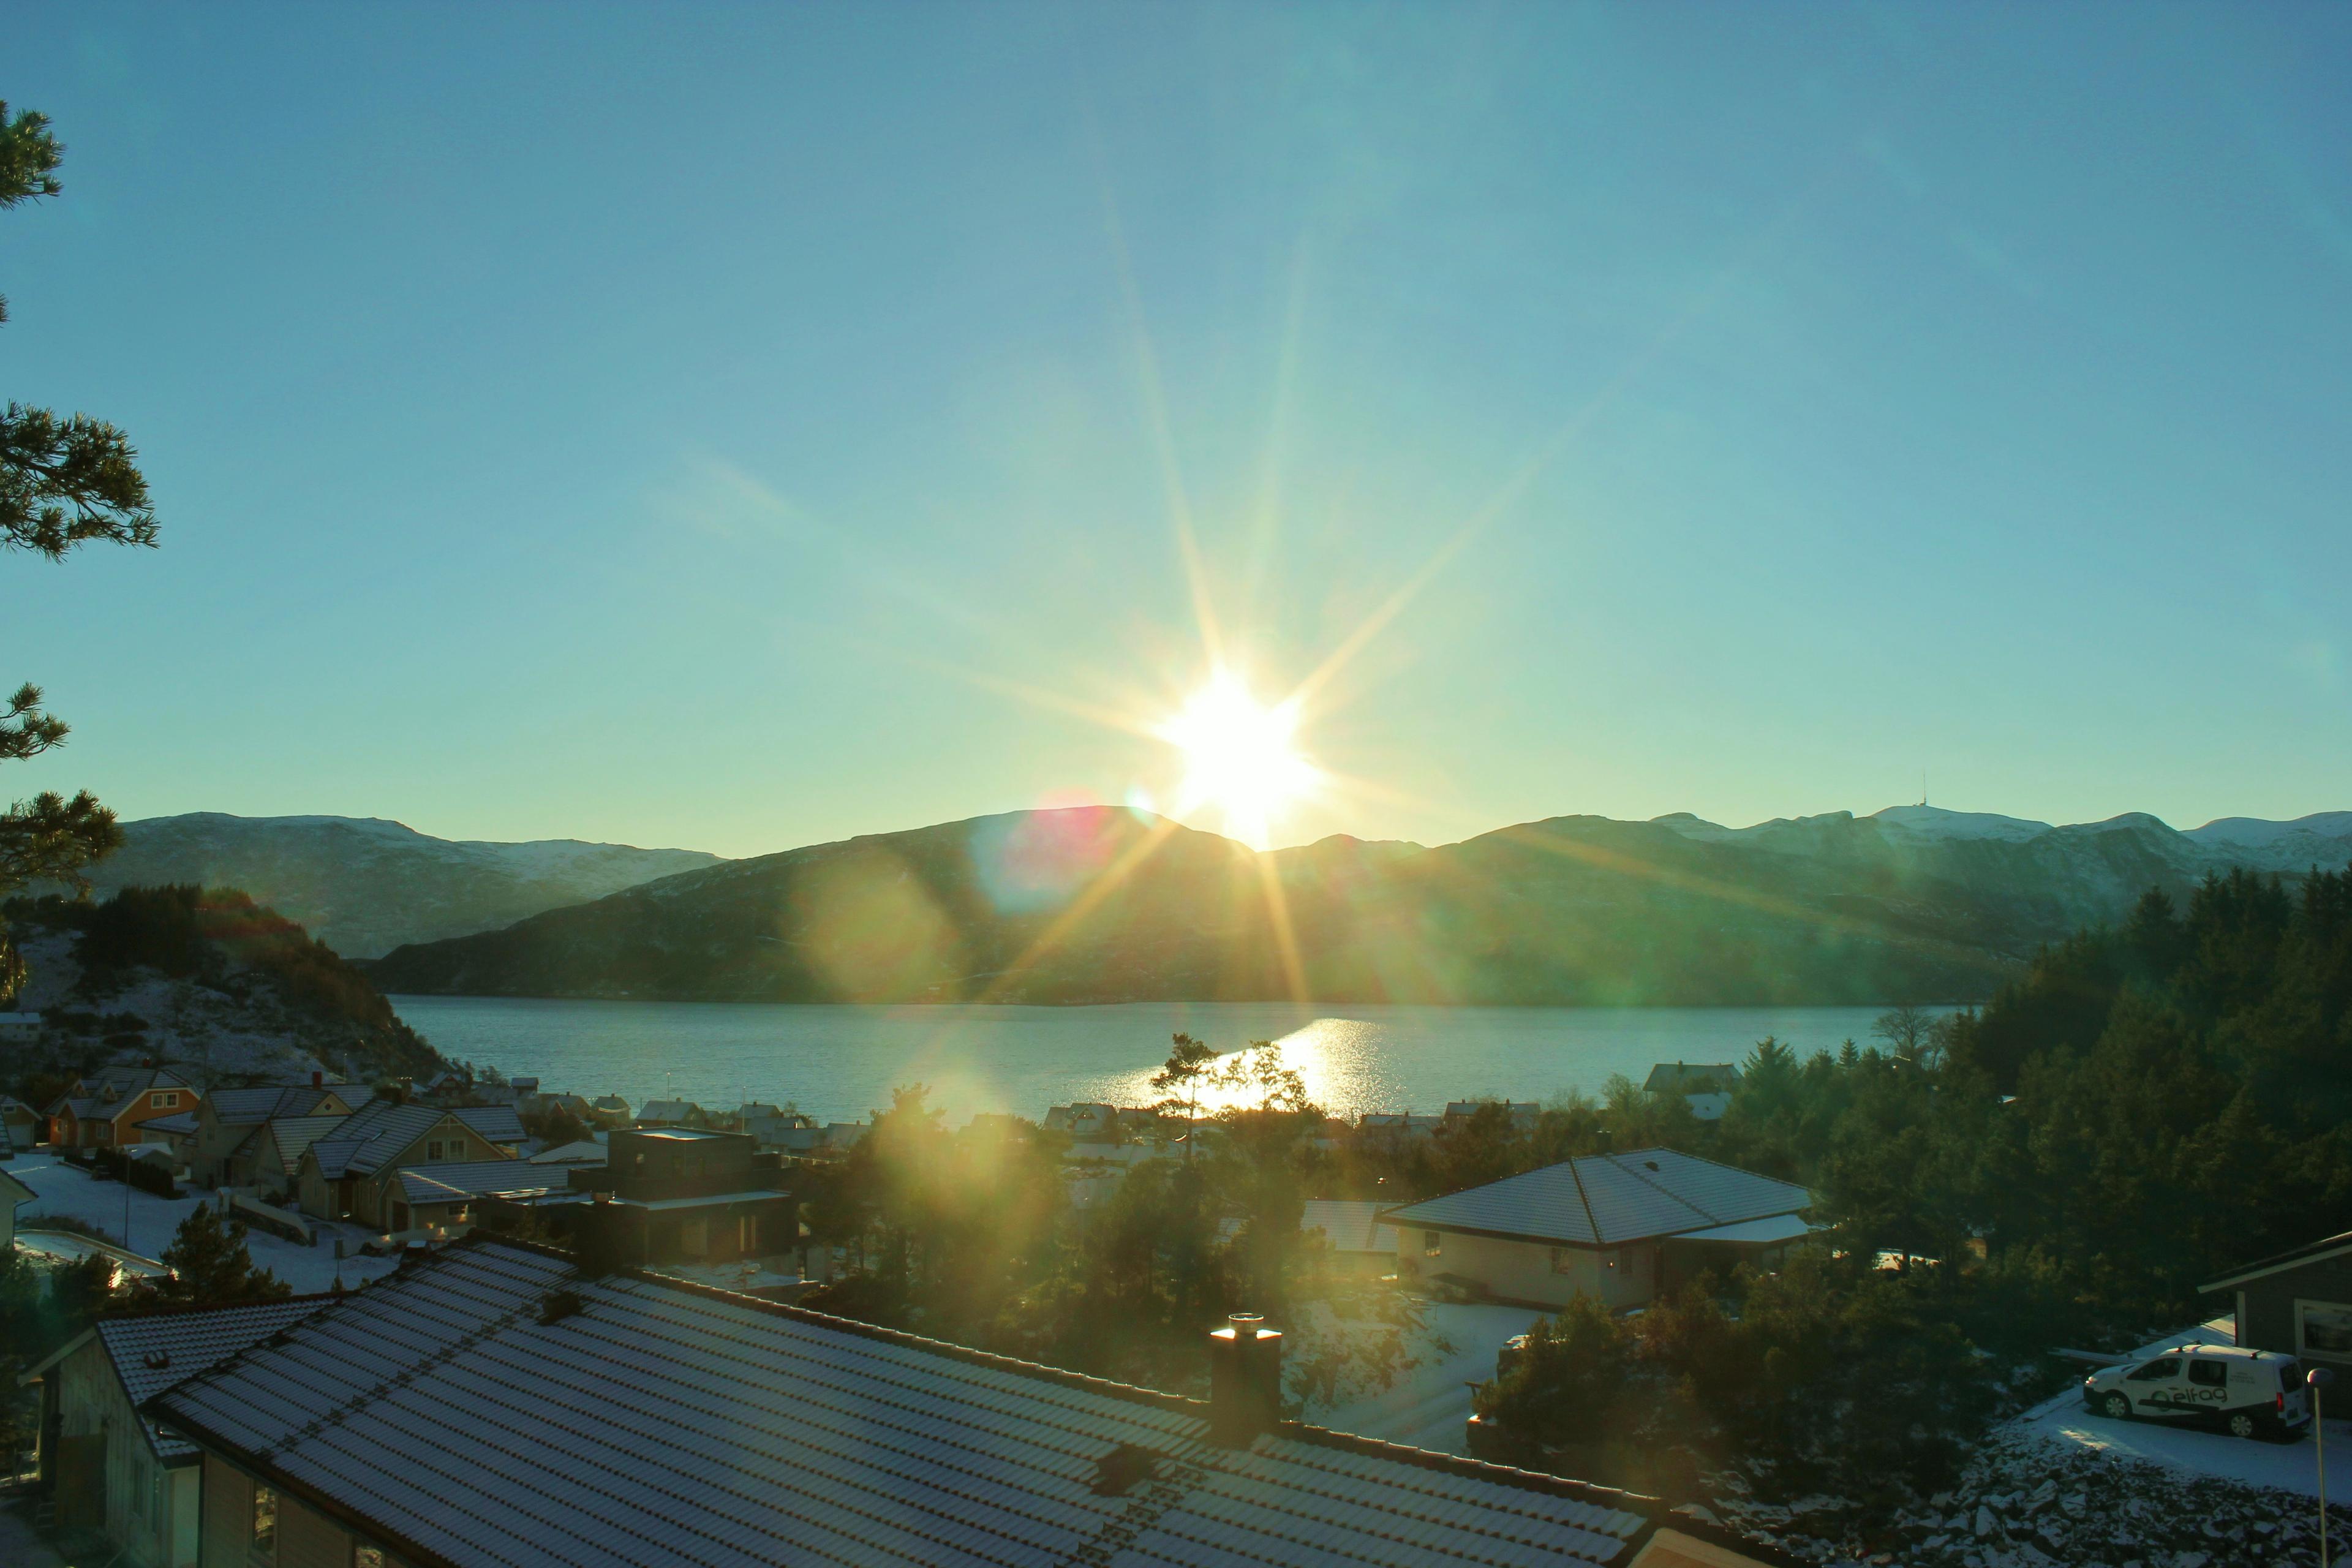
x=1098 y=905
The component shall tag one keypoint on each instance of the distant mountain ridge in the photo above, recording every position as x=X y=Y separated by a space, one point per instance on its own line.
x=1096 y=904
x=364 y=885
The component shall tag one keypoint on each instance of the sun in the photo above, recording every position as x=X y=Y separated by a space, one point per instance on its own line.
x=1241 y=757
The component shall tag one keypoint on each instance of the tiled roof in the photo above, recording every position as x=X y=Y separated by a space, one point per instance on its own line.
x=499 y=1123
x=474 y=1178
x=1602 y=1200
x=182 y=1122
x=268 y=1101
x=292 y=1134
x=1682 y=1077
x=371 y=1135
x=665 y=1421
x=152 y=1353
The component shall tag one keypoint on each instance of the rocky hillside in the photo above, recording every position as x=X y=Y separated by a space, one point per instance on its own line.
x=208 y=980
x=1101 y=905
x=363 y=885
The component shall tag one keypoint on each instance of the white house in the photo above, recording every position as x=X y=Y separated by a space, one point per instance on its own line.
x=1622 y=1227
x=1705 y=1087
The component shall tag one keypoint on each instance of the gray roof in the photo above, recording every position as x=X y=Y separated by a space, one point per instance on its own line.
x=673 y=1422
x=379 y=1132
x=182 y=1122
x=499 y=1123
x=1602 y=1200
x=268 y=1101
x=292 y=1134
x=153 y=1352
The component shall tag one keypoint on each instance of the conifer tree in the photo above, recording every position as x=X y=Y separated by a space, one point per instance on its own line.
x=211 y=1266
x=64 y=480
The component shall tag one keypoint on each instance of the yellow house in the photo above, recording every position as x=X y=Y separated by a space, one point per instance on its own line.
x=349 y=1174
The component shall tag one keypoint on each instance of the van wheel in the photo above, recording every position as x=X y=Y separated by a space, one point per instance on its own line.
x=2242 y=1424
x=2116 y=1405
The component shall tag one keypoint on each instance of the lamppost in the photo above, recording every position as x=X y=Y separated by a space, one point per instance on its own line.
x=2317 y=1378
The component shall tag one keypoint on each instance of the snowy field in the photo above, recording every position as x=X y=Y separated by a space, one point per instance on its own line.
x=62 y=1189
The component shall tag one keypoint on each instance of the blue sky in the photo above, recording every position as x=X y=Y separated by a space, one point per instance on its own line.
x=745 y=427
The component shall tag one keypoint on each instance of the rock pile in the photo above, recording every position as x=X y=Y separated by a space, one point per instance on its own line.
x=2026 y=1503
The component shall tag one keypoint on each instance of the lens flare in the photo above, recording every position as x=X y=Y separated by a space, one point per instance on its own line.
x=1241 y=757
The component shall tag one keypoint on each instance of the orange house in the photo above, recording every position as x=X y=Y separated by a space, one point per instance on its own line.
x=105 y=1110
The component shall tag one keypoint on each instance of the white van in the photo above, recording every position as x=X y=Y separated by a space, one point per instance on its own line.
x=2252 y=1393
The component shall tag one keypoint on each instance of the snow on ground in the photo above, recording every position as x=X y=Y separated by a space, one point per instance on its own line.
x=1427 y=1407
x=62 y=1189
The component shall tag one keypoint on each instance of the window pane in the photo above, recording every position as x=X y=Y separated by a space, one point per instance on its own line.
x=264 y=1520
x=2207 y=1373
x=2326 y=1328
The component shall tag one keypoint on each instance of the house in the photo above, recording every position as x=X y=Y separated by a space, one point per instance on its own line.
x=1522 y=1112
x=672 y=1113
x=19 y=1028
x=1084 y=1124
x=579 y=1151
x=105 y=1110
x=2298 y=1302
x=228 y=1119
x=106 y=1466
x=570 y=1104
x=270 y=1158
x=682 y=1195
x=446 y=1088
x=348 y=1173
x=1359 y=1238
x=1624 y=1228
x=14 y=1196
x=610 y=1107
x=810 y=1141
x=494 y=1405
x=20 y=1124
x=1706 y=1086
x=1397 y=1124
x=769 y=1123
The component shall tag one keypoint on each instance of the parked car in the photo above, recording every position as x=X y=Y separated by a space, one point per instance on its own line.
x=2250 y=1393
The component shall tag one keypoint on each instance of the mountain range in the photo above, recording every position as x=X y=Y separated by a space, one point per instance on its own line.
x=364 y=886
x=1099 y=904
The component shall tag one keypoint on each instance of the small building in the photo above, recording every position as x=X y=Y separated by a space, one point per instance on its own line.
x=2297 y=1302
x=1624 y=1228
x=448 y=1197
x=1353 y=1228
x=810 y=1141
x=105 y=1465
x=19 y=1028
x=672 y=1113
x=609 y=1107
x=14 y=1196
x=20 y=1124
x=497 y=1404
x=104 y=1111
x=1705 y=1087
x=1397 y=1124
x=682 y=1195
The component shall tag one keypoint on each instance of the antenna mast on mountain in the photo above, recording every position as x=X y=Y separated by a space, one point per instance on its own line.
x=1923 y=786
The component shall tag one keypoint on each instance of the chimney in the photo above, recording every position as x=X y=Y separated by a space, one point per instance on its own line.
x=318 y=1078
x=1245 y=1380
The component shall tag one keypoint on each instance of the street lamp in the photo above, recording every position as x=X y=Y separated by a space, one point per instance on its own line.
x=2319 y=1377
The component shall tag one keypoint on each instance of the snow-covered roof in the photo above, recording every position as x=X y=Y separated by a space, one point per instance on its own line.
x=1602 y=1200
x=155 y=1349
x=180 y=1125
x=1691 y=1077
x=499 y=1123
x=265 y=1102
x=1350 y=1224
x=651 y=1414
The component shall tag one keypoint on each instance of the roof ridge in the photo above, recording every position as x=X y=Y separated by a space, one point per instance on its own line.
x=1592 y=1220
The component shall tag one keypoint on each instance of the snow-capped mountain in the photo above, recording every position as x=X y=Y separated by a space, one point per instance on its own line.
x=364 y=886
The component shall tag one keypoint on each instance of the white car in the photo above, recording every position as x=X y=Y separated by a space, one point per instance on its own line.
x=2250 y=1393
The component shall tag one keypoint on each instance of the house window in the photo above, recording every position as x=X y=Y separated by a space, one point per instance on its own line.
x=263 y=1542
x=2323 y=1329
x=1432 y=1243
x=163 y=1101
x=1563 y=1260
x=432 y=1150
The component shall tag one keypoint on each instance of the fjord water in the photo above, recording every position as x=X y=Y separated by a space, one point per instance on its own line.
x=840 y=1063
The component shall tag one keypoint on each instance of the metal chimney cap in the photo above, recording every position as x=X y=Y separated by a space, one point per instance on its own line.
x=1245 y=1320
